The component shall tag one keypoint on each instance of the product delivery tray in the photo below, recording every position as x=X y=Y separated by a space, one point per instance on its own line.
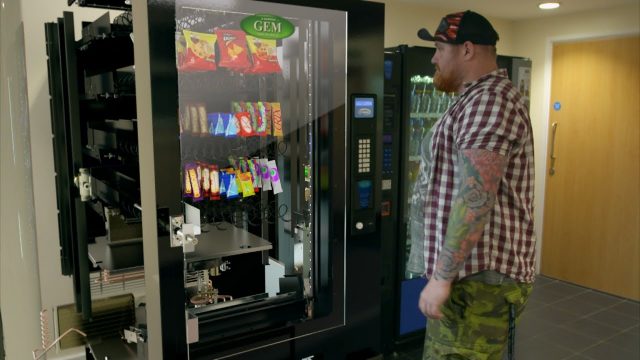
x=223 y=240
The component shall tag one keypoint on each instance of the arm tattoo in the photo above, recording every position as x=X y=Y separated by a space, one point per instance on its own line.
x=481 y=171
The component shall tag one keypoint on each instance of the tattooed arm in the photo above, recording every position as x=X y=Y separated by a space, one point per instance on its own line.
x=480 y=174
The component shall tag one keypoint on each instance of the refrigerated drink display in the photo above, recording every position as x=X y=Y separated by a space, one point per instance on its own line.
x=412 y=108
x=427 y=105
x=247 y=84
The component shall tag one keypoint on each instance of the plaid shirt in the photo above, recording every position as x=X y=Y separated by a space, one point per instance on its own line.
x=490 y=114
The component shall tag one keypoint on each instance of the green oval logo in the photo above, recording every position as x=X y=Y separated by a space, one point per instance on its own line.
x=266 y=26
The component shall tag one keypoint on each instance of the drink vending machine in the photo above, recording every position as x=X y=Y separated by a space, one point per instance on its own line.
x=412 y=105
x=245 y=188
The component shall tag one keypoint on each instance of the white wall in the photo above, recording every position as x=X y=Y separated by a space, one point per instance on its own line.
x=19 y=285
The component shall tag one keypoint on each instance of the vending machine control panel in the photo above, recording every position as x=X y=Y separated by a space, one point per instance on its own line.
x=363 y=163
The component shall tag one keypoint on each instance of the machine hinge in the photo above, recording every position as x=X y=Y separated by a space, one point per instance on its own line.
x=182 y=234
x=83 y=182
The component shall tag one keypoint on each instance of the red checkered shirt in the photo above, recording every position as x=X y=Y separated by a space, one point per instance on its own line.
x=490 y=114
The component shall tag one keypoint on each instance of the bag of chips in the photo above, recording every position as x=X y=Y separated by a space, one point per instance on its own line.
x=181 y=50
x=200 y=52
x=233 y=49
x=263 y=55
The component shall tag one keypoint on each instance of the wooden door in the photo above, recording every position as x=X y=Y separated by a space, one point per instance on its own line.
x=591 y=229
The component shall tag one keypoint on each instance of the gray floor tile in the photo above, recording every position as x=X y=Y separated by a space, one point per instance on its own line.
x=629 y=340
x=542 y=280
x=569 y=339
x=533 y=304
x=607 y=351
x=540 y=349
x=554 y=316
x=555 y=292
x=614 y=319
x=592 y=329
x=629 y=308
x=531 y=326
x=578 y=357
x=575 y=305
x=601 y=299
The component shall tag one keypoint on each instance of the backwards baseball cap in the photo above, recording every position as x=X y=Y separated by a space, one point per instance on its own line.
x=460 y=27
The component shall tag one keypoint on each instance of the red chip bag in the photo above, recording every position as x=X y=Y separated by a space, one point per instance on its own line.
x=232 y=45
x=263 y=54
x=200 y=53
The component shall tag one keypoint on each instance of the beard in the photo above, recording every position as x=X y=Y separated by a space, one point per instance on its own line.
x=445 y=83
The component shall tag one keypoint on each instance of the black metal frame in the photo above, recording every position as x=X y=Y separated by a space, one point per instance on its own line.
x=76 y=118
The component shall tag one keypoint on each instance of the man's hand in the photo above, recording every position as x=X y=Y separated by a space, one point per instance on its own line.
x=433 y=296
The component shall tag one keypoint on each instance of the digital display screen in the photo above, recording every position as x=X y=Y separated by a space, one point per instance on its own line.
x=363 y=107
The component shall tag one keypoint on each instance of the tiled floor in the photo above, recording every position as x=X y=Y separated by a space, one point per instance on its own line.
x=564 y=321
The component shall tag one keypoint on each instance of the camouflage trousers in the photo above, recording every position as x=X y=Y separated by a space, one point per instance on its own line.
x=475 y=325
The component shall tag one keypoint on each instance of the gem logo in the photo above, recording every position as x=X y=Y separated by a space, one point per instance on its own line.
x=266 y=26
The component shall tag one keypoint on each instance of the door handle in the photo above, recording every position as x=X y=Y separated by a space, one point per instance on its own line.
x=552 y=155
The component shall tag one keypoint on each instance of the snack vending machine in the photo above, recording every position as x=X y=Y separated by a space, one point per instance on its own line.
x=259 y=125
x=217 y=178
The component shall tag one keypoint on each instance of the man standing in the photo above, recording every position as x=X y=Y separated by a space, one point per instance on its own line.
x=478 y=209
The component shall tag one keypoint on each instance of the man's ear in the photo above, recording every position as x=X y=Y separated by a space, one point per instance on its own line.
x=468 y=49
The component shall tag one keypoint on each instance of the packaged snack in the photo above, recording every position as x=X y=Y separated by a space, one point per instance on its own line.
x=214 y=180
x=200 y=53
x=254 y=169
x=232 y=189
x=233 y=162
x=267 y=117
x=206 y=181
x=233 y=127
x=202 y=119
x=188 y=191
x=211 y=123
x=195 y=183
x=224 y=182
x=199 y=175
x=247 y=184
x=233 y=49
x=220 y=122
x=185 y=120
x=262 y=116
x=236 y=107
x=263 y=54
x=244 y=118
x=276 y=118
x=275 y=177
x=264 y=170
x=194 y=117
x=255 y=117
x=244 y=166
x=181 y=50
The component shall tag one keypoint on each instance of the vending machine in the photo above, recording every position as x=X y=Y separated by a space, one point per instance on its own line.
x=412 y=106
x=252 y=188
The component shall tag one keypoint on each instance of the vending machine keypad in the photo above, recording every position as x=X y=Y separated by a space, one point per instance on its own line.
x=364 y=156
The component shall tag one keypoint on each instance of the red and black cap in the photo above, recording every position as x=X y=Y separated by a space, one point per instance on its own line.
x=462 y=26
